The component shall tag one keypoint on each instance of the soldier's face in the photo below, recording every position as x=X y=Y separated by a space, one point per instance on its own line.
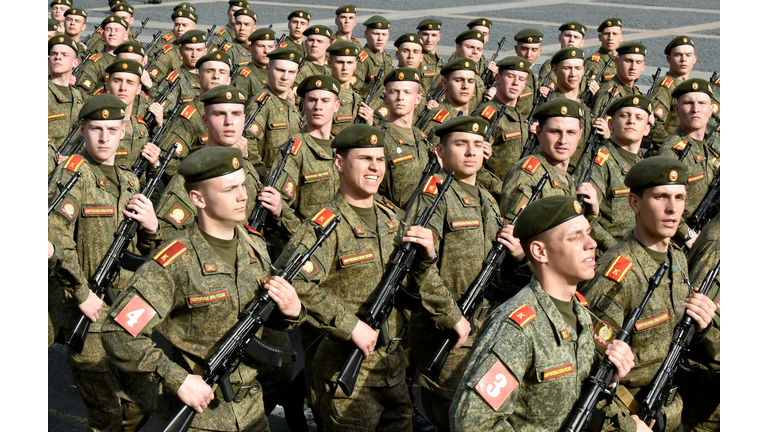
x=409 y=55
x=360 y=172
x=74 y=25
x=528 y=51
x=569 y=73
x=659 y=211
x=571 y=38
x=182 y=25
x=125 y=15
x=320 y=106
x=342 y=67
x=610 y=38
x=628 y=125
x=346 y=22
x=511 y=84
x=460 y=86
x=462 y=153
x=281 y=74
x=244 y=26
x=402 y=97
x=694 y=110
x=558 y=138
x=57 y=11
x=260 y=49
x=569 y=251
x=114 y=35
x=377 y=38
x=225 y=122
x=296 y=27
x=102 y=137
x=62 y=59
x=431 y=38
x=191 y=52
x=231 y=15
x=315 y=45
x=124 y=85
x=484 y=30
x=681 y=59
x=223 y=199
x=213 y=73
x=630 y=66
x=471 y=49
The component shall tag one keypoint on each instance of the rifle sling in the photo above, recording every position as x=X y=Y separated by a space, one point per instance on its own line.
x=628 y=398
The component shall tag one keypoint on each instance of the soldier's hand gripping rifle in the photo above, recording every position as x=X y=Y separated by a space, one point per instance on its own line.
x=599 y=382
x=586 y=96
x=377 y=317
x=103 y=279
x=474 y=295
x=259 y=213
x=63 y=191
x=242 y=339
x=533 y=140
x=593 y=144
x=370 y=94
x=138 y=32
x=662 y=387
x=487 y=76
x=141 y=164
x=150 y=119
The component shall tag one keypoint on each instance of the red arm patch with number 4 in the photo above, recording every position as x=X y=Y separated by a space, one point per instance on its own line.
x=496 y=385
x=135 y=315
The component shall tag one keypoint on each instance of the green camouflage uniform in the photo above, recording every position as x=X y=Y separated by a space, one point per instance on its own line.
x=289 y=43
x=430 y=68
x=223 y=34
x=141 y=105
x=406 y=158
x=621 y=282
x=187 y=89
x=63 y=107
x=602 y=95
x=350 y=104
x=308 y=69
x=596 y=62
x=83 y=228
x=96 y=39
x=274 y=125
x=507 y=139
x=369 y=66
x=169 y=60
x=197 y=299
x=91 y=76
x=250 y=80
x=437 y=116
x=240 y=52
x=188 y=131
x=663 y=107
x=354 y=40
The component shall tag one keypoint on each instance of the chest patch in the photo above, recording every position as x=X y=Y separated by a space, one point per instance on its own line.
x=207 y=298
x=557 y=372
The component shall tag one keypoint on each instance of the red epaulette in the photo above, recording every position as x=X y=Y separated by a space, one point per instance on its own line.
x=581 y=299
x=531 y=164
x=323 y=217
x=141 y=120
x=618 y=269
x=488 y=112
x=431 y=186
x=167 y=48
x=169 y=253
x=94 y=57
x=296 y=146
x=74 y=162
x=173 y=76
x=667 y=82
x=245 y=72
x=221 y=32
x=363 y=56
x=522 y=315
x=441 y=116
x=188 y=111
x=601 y=157
x=595 y=57
x=252 y=230
x=168 y=36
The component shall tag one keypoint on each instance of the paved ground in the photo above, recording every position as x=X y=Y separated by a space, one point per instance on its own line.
x=644 y=20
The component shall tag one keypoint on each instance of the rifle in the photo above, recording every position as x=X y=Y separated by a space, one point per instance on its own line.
x=487 y=76
x=151 y=45
x=703 y=212
x=153 y=60
x=593 y=146
x=533 y=140
x=259 y=212
x=662 y=388
x=370 y=94
x=450 y=59
x=495 y=123
x=242 y=339
x=684 y=152
x=150 y=119
x=654 y=81
x=141 y=164
x=586 y=96
x=79 y=67
x=392 y=282
x=208 y=37
x=474 y=295
x=138 y=32
x=301 y=64
x=234 y=71
x=64 y=190
x=88 y=38
x=598 y=383
x=438 y=94
x=715 y=78
x=68 y=140
x=259 y=105
x=103 y=279
x=485 y=97
x=281 y=40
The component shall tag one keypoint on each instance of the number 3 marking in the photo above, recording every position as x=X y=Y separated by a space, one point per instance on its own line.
x=495 y=388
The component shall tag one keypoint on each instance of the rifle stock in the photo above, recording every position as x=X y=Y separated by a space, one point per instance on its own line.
x=141 y=164
x=63 y=191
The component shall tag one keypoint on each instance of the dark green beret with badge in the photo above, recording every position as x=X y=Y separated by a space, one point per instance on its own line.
x=193 y=36
x=656 y=171
x=318 y=82
x=402 y=74
x=377 y=22
x=262 y=34
x=53 y=25
x=680 y=40
x=610 y=22
x=218 y=55
x=469 y=35
x=485 y=22
x=562 y=107
x=429 y=24
x=359 y=136
x=568 y=53
x=318 y=30
x=633 y=101
x=300 y=14
x=114 y=19
x=247 y=12
x=632 y=48
x=78 y=12
x=125 y=65
x=461 y=63
x=103 y=107
x=63 y=40
x=122 y=7
x=474 y=125
x=409 y=38
x=346 y=9
x=285 y=54
x=223 y=94
x=131 y=47
x=545 y=214
x=514 y=63
x=343 y=48
x=693 y=85
x=573 y=26
x=184 y=13
x=185 y=5
x=210 y=162
x=239 y=3
x=529 y=36
x=64 y=2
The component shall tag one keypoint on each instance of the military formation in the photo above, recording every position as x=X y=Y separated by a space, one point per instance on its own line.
x=503 y=239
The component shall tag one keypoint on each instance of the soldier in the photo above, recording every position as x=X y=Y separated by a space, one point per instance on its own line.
x=298 y=21
x=192 y=48
x=374 y=56
x=184 y=19
x=339 y=286
x=628 y=124
x=458 y=80
x=483 y=25
x=528 y=46
x=124 y=11
x=571 y=35
x=170 y=37
x=465 y=225
x=74 y=25
x=630 y=63
x=409 y=55
x=228 y=32
x=91 y=77
x=536 y=350
x=429 y=31
x=657 y=197
x=610 y=35
x=133 y=50
x=64 y=100
x=315 y=45
x=694 y=108
x=342 y=63
x=238 y=49
x=82 y=227
x=214 y=263
x=346 y=20
x=253 y=76
x=58 y=7
x=469 y=44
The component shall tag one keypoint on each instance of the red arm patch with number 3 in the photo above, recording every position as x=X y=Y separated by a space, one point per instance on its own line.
x=496 y=385
x=135 y=315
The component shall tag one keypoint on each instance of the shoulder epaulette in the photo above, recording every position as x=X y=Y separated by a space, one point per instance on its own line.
x=94 y=57
x=441 y=115
x=297 y=143
x=74 y=162
x=169 y=253
x=100 y=30
x=188 y=111
x=618 y=269
x=488 y=112
x=252 y=230
x=667 y=82
x=680 y=146
x=245 y=72
x=431 y=186
x=226 y=47
x=333 y=41
x=595 y=57
x=522 y=315
x=173 y=76
x=581 y=299
x=99 y=91
x=141 y=120
x=363 y=56
x=531 y=164
x=261 y=96
x=601 y=157
x=221 y=32
x=323 y=217
x=387 y=203
x=167 y=48
x=717 y=82
x=168 y=36
x=283 y=45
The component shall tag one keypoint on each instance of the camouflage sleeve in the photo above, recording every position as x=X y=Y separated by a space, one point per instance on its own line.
x=600 y=99
x=88 y=80
x=489 y=181
x=515 y=192
x=173 y=214
x=256 y=135
x=603 y=238
x=290 y=220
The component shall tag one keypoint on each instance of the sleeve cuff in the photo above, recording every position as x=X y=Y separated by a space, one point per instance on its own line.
x=173 y=376
x=453 y=317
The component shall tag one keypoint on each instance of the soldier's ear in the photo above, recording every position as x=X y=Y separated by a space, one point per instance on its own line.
x=634 y=200
x=538 y=251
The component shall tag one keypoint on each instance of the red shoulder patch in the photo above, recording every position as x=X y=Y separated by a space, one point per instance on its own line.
x=245 y=72
x=283 y=45
x=173 y=76
x=323 y=217
x=582 y=300
x=252 y=230
x=169 y=253
x=618 y=269
x=168 y=36
x=431 y=186
x=441 y=116
x=135 y=315
x=488 y=112
x=188 y=111
x=221 y=32
x=140 y=120
x=595 y=57
x=496 y=385
x=363 y=56
x=522 y=315
x=667 y=82
x=94 y=57
x=531 y=164
x=296 y=146
x=74 y=162
x=167 y=48
x=601 y=157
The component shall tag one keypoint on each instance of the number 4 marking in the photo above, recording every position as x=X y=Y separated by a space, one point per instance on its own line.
x=134 y=316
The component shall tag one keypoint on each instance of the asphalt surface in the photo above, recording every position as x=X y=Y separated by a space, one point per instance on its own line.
x=644 y=20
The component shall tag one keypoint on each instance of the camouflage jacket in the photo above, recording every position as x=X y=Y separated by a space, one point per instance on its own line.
x=274 y=125
x=663 y=107
x=350 y=104
x=169 y=60
x=187 y=89
x=91 y=76
x=369 y=66
x=523 y=176
x=596 y=62
x=437 y=116
x=188 y=131
x=240 y=52
x=63 y=109
x=309 y=68
x=507 y=139
x=251 y=80
x=289 y=43
x=406 y=158
x=601 y=97
x=703 y=257
x=130 y=146
x=430 y=68
x=225 y=33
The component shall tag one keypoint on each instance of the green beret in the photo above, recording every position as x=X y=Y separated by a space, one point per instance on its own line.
x=529 y=36
x=429 y=24
x=103 y=107
x=285 y=54
x=514 y=63
x=318 y=82
x=656 y=171
x=568 y=53
x=485 y=22
x=122 y=7
x=125 y=65
x=475 y=125
x=184 y=13
x=210 y=162
x=262 y=34
x=77 y=11
x=461 y=63
x=223 y=94
x=545 y=214
x=130 y=46
x=300 y=14
x=318 y=30
x=680 y=40
x=359 y=136
x=635 y=101
x=343 y=48
x=184 y=5
x=610 y=22
x=632 y=48
x=114 y=19
x=573 y=26
x=562 y=107
x=377 y=22
x=218 y=55
x=246 y=11
x=346 y=9
x=193 y=36
x=239 y=3
x=53 y=25
x=63 y=40
x=410 y=38
x=469 y=35
x=58 y=2
x=402 y=74
x=693 y=85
